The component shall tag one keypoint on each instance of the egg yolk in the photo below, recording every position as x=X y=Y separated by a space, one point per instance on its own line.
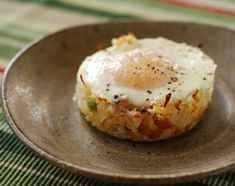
x=140 y=70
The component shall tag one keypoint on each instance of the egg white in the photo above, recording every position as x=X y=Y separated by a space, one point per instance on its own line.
x=195 y=70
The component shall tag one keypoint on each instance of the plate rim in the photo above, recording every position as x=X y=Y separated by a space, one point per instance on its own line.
x=97 y=174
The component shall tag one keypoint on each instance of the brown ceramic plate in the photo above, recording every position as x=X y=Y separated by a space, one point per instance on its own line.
x=38 y=87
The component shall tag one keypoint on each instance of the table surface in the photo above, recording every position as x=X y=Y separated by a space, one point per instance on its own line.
x=22 y=21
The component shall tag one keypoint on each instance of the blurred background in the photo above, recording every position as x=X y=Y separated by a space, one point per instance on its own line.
x=22 y=21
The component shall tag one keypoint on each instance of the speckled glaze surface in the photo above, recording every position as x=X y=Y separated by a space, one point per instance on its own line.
x=39 y=84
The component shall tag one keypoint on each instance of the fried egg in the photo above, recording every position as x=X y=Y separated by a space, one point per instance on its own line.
x=146 y=72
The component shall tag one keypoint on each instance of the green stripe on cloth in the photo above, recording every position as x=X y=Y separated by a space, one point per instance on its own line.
x=14 y=36
x=7 y=51
x=42 y=18
x=85 y=10
x=16 y=31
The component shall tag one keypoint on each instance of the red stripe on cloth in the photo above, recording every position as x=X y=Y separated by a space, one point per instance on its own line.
x=2 y=70
x=200 y=7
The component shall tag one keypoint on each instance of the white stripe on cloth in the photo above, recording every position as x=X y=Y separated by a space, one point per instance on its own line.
x=12 y=42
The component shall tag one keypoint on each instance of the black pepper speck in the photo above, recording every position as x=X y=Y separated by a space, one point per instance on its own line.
x=174 y=79
x=200 y=45
x=144 y=110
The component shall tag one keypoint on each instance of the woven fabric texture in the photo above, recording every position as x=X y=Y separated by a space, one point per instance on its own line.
x=22 y=21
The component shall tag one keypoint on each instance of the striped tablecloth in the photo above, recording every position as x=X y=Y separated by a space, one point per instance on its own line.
x=22 y=21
